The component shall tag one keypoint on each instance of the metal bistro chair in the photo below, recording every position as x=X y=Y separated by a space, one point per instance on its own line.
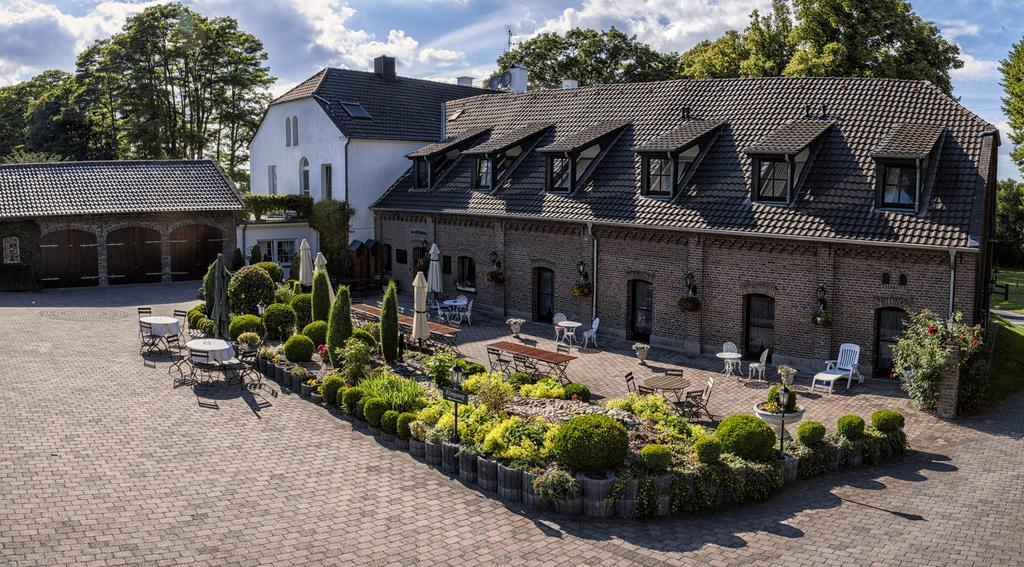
x=145 y=311
x=562 y=348
x=178 y=359
x=527 y=365
x=182 y=316
x=758 y=368
x=251 y=378
x=200 y=362
x=148 y=342
x=697 y=401
x=674 y=373
x=630 y=383
x=498 y=362
x=557 y=322
x=645 y=391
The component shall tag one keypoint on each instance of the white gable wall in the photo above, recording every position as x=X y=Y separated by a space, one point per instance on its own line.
x=376 y=164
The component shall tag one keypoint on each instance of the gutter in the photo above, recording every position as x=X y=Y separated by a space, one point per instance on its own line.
x=593 y=295
x=347 y=140
x=952 y=279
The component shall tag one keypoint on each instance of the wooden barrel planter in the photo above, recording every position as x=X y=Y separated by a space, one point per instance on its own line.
x=486 y=474
x=433 y=453
x=625 y=504
x=530 y=497
x=450 y=458
x=596 y=493
x=467 y=467
x=417 y=449
x=510 y=483
x=663 y=492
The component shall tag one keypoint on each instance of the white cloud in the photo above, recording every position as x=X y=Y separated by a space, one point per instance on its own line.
x=953 y=29
x=975 y=68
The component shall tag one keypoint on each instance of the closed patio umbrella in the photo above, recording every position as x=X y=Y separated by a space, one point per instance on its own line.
x=420 y=325
x=219 y=309
x=305 y=264
x=321 y=264
x=434 y=274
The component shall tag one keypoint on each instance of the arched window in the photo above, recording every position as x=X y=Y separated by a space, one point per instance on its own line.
x=304 y=176
x=287 y=131
x=12 y=250
x=295 y=130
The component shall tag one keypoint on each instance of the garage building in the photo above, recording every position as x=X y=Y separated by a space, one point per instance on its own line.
x=70 y=224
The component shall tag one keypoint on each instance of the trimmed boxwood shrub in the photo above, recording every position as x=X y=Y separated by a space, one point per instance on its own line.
x=273 y=269
x=581 y=392
x=773 y=397
x=472 y=368
x=279 y=320
x=373 y=410
x=195 y=314
x=360 y=406
x=317 y=332
x=351 y=398
x=707 y=449
x=298 y=348
x=249 y=287
x=810 y=433
x=329 y=388
x=301 y=304
x=365 y=336
x=656 y=458
x=851 y=427
x=404 y=419
x=887 y=420
x=246 y=324
x=746 y=437
x=208 y=327
x=389 y=422
x=519 y=379
x=591 y=443
x=321 y=304
x=339 y=325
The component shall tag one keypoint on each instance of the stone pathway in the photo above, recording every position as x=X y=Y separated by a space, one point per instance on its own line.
x=103 y=462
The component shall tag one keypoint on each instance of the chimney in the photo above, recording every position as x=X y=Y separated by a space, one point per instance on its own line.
x=519 y=79
x=464 y=81
x=385 y=67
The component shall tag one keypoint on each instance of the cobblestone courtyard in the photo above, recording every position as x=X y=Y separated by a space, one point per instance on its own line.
x=103 y=462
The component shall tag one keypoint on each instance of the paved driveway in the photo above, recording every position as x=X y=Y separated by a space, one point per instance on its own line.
x=103 y=462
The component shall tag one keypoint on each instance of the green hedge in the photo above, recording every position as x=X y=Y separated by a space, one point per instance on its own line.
x=273 y=269
x=260 y=205
x=279 y=320
x=248 y=288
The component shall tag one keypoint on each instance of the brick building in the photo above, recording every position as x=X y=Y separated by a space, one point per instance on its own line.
x=800 y=213
x=103 y=223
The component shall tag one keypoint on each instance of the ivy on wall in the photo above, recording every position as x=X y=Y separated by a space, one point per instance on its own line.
x=28 y=235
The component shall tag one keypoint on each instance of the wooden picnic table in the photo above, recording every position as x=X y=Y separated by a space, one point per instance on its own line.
x=556 y=361
x=446 y=333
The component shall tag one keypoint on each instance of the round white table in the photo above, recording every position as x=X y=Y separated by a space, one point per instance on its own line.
x=454 y=308
x=218 y=350
x=731 y=362
x=570 y=331
x=455 y=302
x=162 y=326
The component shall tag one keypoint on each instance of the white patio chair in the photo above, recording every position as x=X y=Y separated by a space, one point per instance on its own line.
x=469 y=311
x=731 y=365
x=591 y=335
x=757 y=368
x=845 y=366
x=559 y=329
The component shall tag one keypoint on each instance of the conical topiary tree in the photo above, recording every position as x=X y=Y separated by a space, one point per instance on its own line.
x=256 y=255
x=389 y=324
x=321 y=296
x=339 y=325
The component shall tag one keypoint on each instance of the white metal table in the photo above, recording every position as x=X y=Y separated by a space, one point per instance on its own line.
x=731 y=362
x=570 y=331
x=218 y=350
x=162 y=326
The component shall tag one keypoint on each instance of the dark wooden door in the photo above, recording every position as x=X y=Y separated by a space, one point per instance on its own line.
x=641 y=295
x=358 y=261
x=193 y=248
x=69 y=259
x=760 y=325
x=889 y=323
x=134 y=256
x=544 y=292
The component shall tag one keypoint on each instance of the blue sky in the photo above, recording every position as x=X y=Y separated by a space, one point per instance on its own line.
x=443 y=39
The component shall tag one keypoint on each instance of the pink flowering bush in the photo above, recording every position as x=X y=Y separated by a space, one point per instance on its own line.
x=925 y=348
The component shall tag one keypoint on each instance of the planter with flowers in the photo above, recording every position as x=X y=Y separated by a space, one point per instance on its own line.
x=641 y=350
x=581 y=290
x=496 y=277
x=822 y=318
x=689 y=303
x=516 y=325
x=770 y=411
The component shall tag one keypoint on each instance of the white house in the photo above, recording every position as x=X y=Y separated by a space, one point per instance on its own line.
x=342 y=135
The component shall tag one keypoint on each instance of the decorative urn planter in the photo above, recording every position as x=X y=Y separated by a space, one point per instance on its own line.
x=787 y=373
x=486 y=474
x=642 y=350
x=775 y=419
x=516 y=325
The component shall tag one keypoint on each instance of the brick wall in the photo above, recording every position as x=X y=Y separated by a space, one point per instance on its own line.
x=726 y=270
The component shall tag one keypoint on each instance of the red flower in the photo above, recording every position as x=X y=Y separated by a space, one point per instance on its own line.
x=974 y=342
x=931 y=329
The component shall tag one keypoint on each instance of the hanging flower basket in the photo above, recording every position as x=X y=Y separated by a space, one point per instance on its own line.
x=689 y=303
x=822 y=319
x=581 y=290
x=496 y=277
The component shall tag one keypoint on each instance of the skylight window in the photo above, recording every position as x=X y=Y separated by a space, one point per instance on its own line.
x=455 y=115
x=355 y=110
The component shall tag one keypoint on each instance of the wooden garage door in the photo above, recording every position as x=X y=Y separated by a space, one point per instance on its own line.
x=70 y=259
x=133 y=256
x=193 y=248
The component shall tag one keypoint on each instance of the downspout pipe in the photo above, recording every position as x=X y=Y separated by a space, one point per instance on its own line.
x=952 y=279
x=593 y=295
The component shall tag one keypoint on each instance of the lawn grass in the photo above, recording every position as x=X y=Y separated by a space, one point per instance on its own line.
x=1007 y=360
x=1015 y=280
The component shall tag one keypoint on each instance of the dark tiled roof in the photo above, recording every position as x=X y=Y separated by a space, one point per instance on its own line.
x=403 y=109
x=836 y=198
x=449 y=143
x=497 y=143
x=99 y=187
x=790 y=138
x=681 y=137
x=909 y=141
x=584 y=137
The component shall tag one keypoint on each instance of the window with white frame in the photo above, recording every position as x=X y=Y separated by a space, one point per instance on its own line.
x=326 y=182
x=467 y=274
x=483 y=173
x=12 y=250
x=280 y=251
x=272 y=179
x=304 y=177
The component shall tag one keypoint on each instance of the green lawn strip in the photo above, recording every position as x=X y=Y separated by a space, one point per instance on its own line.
x=1015 y=280
x=1007 y=360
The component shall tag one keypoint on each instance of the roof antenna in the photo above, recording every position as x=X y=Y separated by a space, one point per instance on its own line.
x=508 y=31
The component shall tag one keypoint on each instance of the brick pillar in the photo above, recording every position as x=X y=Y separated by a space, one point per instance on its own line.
x=949 y=385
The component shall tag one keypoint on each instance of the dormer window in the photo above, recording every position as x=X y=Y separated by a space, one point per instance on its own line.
x=899 y=185
x=658 y=176
x=779 y=160
x=430 y=163
x=667 y=159
x=558 y=173
x=503 y=162
x=495 y=159
x=772 y=180
x=482 y=173
x=571 y=159
x=421 y=171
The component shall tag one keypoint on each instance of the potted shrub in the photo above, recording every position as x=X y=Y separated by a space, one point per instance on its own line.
x=641 y=350
x=821 y=318
x=581 y=290
x=560 y=489
x=308 y=386
x=516 y=325
x=486 y=474
x=771 y=412
x=657 y=459
x=592 y=444
x=496 y=277
x=389 y=426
